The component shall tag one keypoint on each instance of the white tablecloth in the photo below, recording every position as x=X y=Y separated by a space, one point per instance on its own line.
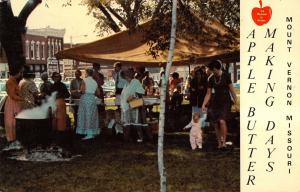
x=147 y=101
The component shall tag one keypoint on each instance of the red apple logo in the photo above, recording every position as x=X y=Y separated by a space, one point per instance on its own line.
x=261 y=15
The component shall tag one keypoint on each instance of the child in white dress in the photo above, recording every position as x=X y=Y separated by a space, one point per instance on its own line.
x=195 y=132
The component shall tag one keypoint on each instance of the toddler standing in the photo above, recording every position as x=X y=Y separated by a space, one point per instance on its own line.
x=195 y=132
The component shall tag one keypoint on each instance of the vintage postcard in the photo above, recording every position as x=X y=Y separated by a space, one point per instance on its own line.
x=149 y=95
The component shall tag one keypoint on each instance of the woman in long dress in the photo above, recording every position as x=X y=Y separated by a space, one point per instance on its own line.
x=88 y=117
x=220 y=105
x=60 y=120
x=11 y=109
x=132 y=117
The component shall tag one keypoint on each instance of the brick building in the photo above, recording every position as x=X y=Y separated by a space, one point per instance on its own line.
x=40 y=46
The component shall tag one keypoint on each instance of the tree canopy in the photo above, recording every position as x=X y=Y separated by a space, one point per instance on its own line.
x=116 y=15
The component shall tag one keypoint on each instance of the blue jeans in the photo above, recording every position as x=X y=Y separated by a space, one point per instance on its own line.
x=195 y=109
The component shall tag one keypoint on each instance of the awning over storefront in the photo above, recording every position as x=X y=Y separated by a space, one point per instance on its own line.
x=130 y=49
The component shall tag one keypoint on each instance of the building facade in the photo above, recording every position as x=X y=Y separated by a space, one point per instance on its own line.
x=40 y=47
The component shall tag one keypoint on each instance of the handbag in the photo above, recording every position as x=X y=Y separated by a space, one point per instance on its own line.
x=135 y=103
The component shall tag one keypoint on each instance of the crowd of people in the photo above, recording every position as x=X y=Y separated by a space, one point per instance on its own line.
x=210 y=91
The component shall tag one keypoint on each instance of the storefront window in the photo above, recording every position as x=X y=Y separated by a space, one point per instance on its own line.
x=37 y=68
x=31 y=68
x=38 y=50
x=43 y=51
x=49 y=49
x=32 y=50
x=27 y=49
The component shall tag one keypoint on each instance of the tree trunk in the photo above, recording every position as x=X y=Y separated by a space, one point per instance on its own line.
x=165 y=79
x=12 y=30
x=116 y=15
x=11 y=38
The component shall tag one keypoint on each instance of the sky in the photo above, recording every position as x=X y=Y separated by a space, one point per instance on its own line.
x=72 y=18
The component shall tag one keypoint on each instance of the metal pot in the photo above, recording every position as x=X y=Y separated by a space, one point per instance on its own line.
x=33 y=132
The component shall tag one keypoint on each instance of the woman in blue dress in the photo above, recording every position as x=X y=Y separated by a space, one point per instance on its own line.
x=88 y=117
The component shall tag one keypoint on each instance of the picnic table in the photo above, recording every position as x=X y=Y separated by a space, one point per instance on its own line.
x=115 y=101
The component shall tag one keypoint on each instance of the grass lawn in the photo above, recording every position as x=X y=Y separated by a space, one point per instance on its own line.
x=111 y=165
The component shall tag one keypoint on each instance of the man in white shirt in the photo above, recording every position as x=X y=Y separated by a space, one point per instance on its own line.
x=75 y=87
x=120 y=83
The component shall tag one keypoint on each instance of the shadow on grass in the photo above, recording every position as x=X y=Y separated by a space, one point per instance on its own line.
x=108 y=164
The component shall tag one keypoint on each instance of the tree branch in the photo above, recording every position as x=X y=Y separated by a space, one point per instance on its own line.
x=9 y=6
x=135 y=12
x=158 y=7
x=27 y=10
x=110 y=21
x=6 y=18
x=137 y=5
x=181 y=4
x=133 y=15
x=11 y=37
x=122 y=20
x=131 y=19
x=6 y=9
x=126 y=6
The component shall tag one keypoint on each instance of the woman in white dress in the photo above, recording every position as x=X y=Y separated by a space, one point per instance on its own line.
x=88 y=117
x=131 y=117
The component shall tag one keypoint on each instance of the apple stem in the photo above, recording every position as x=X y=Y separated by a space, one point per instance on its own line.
x=260 y=2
